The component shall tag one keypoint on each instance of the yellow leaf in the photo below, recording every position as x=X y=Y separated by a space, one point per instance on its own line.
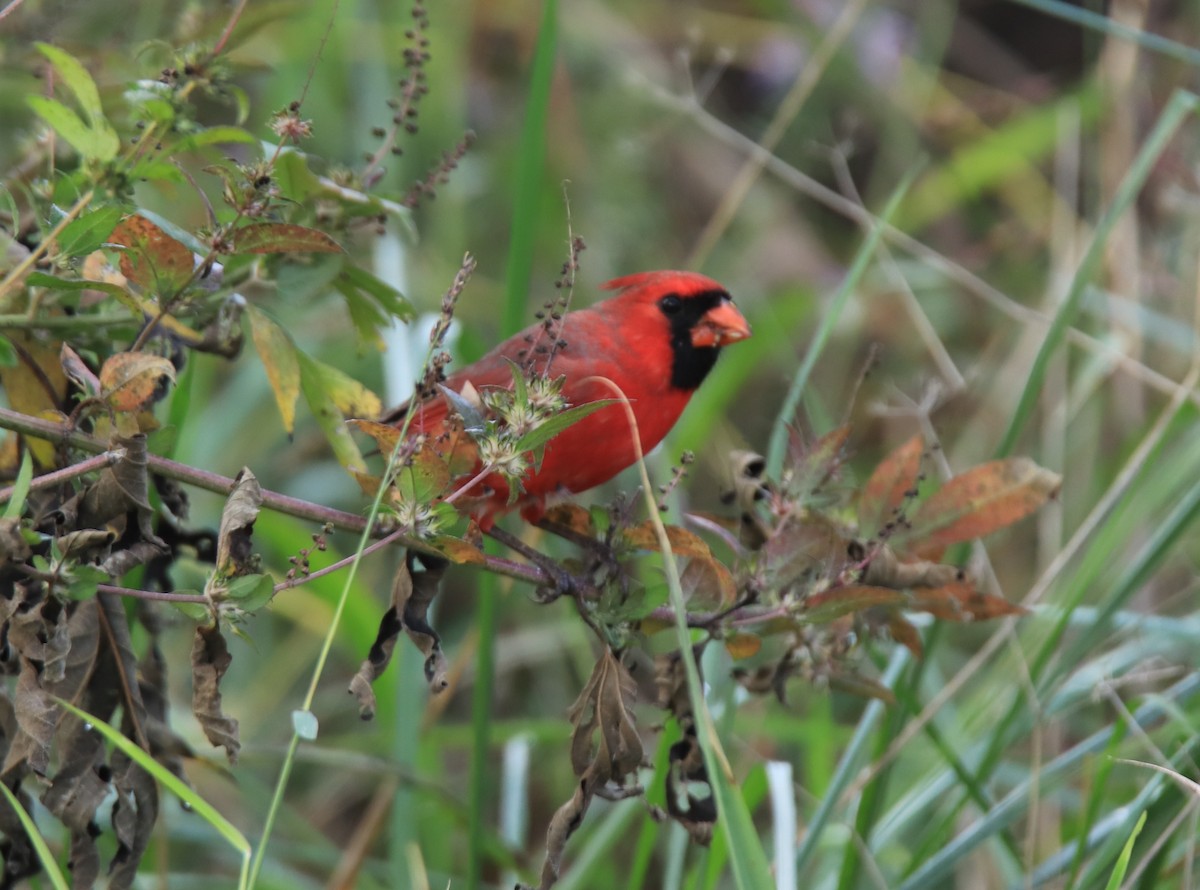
x=278 y=355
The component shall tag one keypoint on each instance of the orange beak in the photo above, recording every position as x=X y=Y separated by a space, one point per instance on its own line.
x=720 y=325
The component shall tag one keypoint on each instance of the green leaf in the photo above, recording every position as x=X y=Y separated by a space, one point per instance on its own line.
x=82 y=581
x=213 y=136
x=198 y=612
x=520 y=384
x=251 y=592
x=314 y=383
x=8 y=354
x=76 y=79
x=536 y=438
x=90 y=144
x=20 y=488
x=296 y=182
x=1122 y=866
x=87 y=233
x=393 y=302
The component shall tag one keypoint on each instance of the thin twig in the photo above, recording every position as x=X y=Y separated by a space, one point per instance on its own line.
x=47 y=480
x=281 y=503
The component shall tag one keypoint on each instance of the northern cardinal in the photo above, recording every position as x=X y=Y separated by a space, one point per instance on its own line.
x=656 y=339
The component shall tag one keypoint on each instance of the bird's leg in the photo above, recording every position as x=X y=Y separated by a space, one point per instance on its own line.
x=564 y=583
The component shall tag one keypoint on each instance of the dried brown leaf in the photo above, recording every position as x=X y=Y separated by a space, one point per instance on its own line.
x=412 y=593
x=886 y=570
x=962 y=602
x=210 y=661
x=605 y=740
x=234 y=540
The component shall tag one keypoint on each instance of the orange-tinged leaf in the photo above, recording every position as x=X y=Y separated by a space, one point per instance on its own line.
x=975 y=503
x=683 y=542
x=813 y=466
x=278 y=355
x=385 y=435
x=962 y=602
x=572 y=516
x=282 y=238
x=905 y=633
x=368 y=482
x=742 y=645
x=888 y=486
x=130 y=381
x=152 y=258
x=821 y=608
x=458 y=550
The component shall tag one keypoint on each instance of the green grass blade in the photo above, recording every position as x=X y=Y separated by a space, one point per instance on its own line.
x=851 y=762
x=481 y=727
x=531 y=160
x=1122 y=866
x=1181 y=105
x=172 y=783
x=862 y=259
x=20 y=490
x=39 y=843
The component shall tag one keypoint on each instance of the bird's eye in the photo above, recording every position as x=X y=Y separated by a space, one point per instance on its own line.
x=670 y=304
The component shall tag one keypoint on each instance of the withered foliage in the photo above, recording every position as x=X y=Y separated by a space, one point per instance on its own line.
x=413 y=590
x=819 y=567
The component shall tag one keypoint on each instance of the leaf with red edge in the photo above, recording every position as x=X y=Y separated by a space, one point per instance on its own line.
x=742 y=645
x=821 y=608
x=152 y=259
x=707 y=583
x=962 y=602
x=129 y=381
x=683 y=542
x=889 y=486
x=813 y=466
x=975 y=503
x=282 y=238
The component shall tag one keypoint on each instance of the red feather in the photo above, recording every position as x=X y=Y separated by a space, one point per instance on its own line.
x=627 y=339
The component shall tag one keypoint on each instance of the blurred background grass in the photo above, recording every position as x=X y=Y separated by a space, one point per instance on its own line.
x=1022 y=124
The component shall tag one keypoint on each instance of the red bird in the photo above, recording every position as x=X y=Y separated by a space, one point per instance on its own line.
x=656 y=339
